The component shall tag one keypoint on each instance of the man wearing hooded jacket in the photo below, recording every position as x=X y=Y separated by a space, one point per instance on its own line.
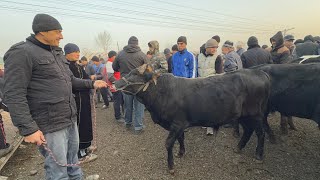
x=279 y=52
x=128 y=59
x=158 y=60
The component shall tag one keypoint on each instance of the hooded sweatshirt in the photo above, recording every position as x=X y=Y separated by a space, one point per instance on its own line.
x=129 y=58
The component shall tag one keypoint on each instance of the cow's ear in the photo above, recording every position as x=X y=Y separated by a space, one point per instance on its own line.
x=155 y=77
x=142 y=68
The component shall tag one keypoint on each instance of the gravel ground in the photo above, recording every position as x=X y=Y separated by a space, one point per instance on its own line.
x=124 y=155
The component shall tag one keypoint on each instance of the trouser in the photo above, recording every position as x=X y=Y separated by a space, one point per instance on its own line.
x=117 y=103
x=133 y=106
x=104 y=93
x=64 y=145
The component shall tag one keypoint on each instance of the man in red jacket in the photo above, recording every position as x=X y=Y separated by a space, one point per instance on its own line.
x=117 y=95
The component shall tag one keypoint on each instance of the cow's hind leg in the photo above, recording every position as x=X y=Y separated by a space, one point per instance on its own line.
x=268 y=130
x=284 y=124
x=248 y=129
x=291 y=124
x=260 y=135
x=172 y=137
x=236 y=131
x=181 y=143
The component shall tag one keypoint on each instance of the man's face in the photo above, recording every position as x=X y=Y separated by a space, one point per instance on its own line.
x=224 y=50
x=211 y=50
x=289 y=44
x=97 y=63
x=151 y=49
x=74 y=56
x=84 y=63
x=273 y=42
x=181 y=46
x=53 y=37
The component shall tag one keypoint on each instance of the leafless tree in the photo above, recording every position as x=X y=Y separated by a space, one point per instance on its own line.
x=103 y=40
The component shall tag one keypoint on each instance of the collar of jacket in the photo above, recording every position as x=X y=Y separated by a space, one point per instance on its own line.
x=32 y=38
x=206 y=55
x=254 y=46
x=276 y=48
x=183 y=51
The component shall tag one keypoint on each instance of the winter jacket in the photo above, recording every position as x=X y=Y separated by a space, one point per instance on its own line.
x=89 y=69
x=158 y=60
x=128 y=59
x=255 y=56
x=209 y=65
x=169 y=62
x=40 y=95
x=184 y=64
x=232 y=62
x=241 y=51
x=307 y=48
x=280 y=54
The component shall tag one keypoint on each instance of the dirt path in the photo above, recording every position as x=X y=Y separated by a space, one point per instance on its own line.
x=123 y=155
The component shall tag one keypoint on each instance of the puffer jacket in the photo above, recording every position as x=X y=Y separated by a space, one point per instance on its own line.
x=38 y=87
x=158 y=60
x=308 y=47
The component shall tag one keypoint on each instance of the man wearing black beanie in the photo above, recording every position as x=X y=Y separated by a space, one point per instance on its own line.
x=183 y=62
x=40 y=96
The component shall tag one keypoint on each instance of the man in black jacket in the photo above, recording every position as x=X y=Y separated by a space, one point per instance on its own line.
x=255 y=55
x=128 y=59
x=38 y=92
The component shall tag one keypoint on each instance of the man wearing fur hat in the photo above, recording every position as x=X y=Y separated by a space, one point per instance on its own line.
x=158 y=60
x=209 y=64
x=40 y=96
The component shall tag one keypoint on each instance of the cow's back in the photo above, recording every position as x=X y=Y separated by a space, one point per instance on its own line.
x=217 y=99
x=294 y=88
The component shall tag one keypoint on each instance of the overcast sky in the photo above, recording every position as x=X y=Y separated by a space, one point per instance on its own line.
x=160 y=20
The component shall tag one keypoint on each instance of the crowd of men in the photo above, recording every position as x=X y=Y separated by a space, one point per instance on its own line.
x=50 y=98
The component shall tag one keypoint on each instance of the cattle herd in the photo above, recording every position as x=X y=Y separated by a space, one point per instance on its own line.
x=244 y=97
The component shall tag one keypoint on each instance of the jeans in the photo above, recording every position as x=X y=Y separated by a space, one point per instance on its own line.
x=64 y=145
x=132 y=105
x=117 y=103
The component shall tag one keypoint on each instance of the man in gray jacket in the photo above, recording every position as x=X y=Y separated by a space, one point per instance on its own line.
x=128 y=59
x=38 y=92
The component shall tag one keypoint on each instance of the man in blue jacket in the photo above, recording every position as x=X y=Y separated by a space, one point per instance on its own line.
x=183 y=62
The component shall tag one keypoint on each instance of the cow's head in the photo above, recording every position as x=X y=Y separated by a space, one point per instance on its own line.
x=137 y=80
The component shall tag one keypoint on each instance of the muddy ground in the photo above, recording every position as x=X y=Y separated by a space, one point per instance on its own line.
x=124 y=155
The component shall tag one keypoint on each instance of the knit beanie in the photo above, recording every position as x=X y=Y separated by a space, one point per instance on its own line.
x=70 y=48
x=133 y=40
x=217 y=38
x=228 y=44
x=182 y=39
x=211 y=43
x=252 y=41
x=45 y=22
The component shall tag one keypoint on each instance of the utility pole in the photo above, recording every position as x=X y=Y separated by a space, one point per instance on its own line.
x=118 y=46
x=286 y=30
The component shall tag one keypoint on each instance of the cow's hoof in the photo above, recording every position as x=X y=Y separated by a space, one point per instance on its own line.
x=179 y=155
x=236 y=134
x=259 y=158
x=171 y=171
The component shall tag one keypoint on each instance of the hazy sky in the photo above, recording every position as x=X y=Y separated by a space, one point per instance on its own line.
x=160 y=20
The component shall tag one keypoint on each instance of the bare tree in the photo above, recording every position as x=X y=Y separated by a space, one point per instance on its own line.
x=103 y=40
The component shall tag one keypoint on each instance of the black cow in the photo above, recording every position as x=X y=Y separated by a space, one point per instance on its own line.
x=294 y=91
x=178 y=103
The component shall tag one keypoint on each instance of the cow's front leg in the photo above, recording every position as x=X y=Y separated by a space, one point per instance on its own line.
x=181 y=143
x=247 y=132
x=236 y=127
x=172 y=137
x=268 y=130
